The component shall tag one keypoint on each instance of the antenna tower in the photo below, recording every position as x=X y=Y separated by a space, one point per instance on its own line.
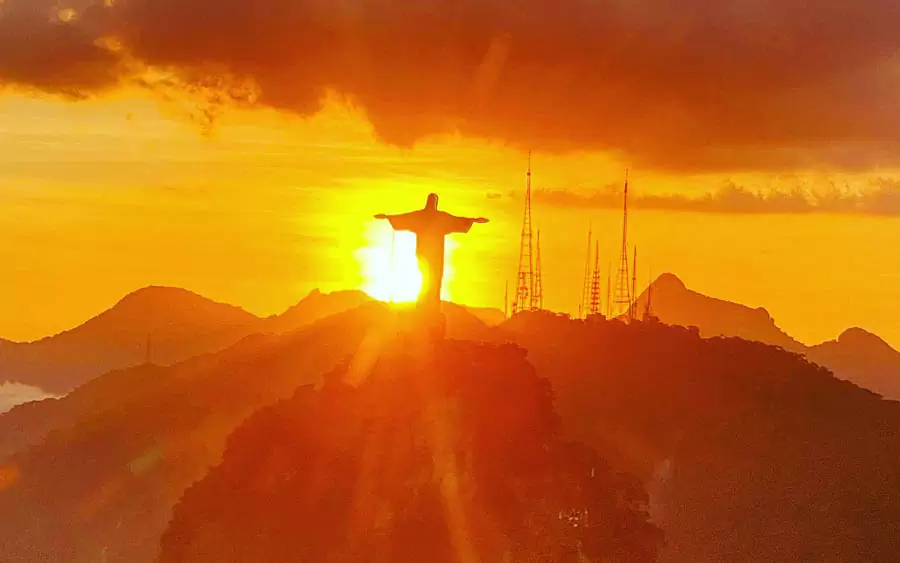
x=648 y=309
x=609 y=291
x=524 y=300
x=538 y=293
x=586 y=287
x=632 y=313
x=595 y=284
x=506 y=301
x=622 y=302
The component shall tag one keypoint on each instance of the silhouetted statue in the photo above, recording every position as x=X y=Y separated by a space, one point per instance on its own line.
x=430 y=227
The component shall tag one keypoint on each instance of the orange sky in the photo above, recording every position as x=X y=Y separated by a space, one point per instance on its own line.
x=101 y=197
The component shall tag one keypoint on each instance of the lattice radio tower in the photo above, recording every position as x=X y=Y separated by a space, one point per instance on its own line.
x=595 y=284
x=609 y=290
x=583 y=309
x=537 y=301
x=622 y=299
x=506 y=301
x=632 y=312
x=524 y=300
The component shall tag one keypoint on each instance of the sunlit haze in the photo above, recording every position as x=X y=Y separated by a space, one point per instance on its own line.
x=100 y=198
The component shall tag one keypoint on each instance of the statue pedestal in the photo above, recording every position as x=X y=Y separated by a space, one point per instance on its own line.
x=432 y=320
x=424 y=324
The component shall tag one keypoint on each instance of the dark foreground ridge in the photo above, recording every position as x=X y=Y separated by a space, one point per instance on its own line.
x=748 y=453
x=445 y=454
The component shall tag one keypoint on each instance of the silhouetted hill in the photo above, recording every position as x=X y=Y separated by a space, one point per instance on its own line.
x=440 y=454
x=856 y=356
x=750 y=453
x=315 y=306
x=675 y=304
x=863 y=358
x=490 y=316
x=178 y=323
x=100 y=469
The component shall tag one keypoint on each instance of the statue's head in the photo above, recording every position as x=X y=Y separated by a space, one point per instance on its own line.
x=431 y=203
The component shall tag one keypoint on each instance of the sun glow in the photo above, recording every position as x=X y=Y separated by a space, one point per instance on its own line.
x=390 y=269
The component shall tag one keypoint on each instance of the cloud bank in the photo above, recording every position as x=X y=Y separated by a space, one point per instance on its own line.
x=671 y=84
x=14 y=394
x=882 y=198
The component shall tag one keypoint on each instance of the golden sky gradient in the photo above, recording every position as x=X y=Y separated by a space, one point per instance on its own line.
x=101 y=197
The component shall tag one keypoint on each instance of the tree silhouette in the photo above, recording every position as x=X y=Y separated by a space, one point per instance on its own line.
x=453 y=454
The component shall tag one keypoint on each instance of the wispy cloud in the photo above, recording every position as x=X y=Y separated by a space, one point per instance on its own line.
x=882 y=198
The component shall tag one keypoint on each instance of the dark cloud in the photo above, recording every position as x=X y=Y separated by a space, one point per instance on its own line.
x=676 y=84
x=881 y=198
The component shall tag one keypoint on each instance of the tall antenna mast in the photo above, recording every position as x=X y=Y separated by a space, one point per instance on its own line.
x=506 y=301
x=595 y=284
x=631 y=312
x=648 y=310
x=623 y=289
x=524 y=300
x=586 y=287
x=609 y=291
x=537 y=302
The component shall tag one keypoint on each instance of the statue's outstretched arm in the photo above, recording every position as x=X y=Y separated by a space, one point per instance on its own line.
x=463 y=224
x=402 y=222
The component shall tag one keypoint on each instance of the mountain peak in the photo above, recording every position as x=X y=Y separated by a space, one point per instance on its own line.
x=859 y=336
x=317 y=305
x=180 y=323
x=153 y=293
x=162 y=302
x=674 y=303
x=670 y=281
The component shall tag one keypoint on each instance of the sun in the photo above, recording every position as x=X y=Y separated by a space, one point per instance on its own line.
x=390 y=269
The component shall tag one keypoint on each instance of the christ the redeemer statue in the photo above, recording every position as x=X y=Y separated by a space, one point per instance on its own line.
x=430 y=227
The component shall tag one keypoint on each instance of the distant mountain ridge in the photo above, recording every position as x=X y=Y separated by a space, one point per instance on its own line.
x=315 y=306
x=863 y=358
x=857 y=355
x=675 y=304
x=164 y=325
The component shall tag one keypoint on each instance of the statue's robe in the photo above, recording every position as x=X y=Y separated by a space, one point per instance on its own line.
x=431 y=227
